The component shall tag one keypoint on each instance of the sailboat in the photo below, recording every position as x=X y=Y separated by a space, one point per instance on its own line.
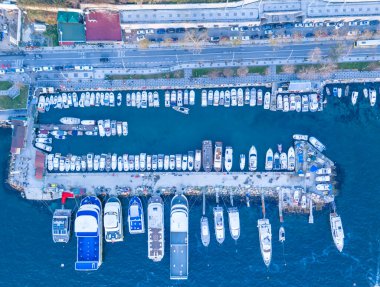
x=205 y=229
x=234 y=222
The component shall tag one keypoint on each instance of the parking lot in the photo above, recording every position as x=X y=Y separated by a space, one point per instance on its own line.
x=8 y=27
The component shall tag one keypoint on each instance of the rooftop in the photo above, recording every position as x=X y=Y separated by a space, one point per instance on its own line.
x=18 y=136
x=103 y=26
x=71 y=32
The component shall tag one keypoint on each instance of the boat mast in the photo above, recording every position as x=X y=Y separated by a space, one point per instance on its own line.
x=231 y=199
x=263 y=204
x=311 y=218
x=280 y=199
x=204 y=203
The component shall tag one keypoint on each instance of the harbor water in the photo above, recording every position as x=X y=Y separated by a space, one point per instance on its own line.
x=352 y=137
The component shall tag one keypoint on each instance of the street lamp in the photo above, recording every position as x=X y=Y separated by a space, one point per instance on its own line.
x=60 y=33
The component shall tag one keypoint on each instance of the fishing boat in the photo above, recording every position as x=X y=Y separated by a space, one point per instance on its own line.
x=280 y=105
x=192 y=98
x=219 y=224
x=135 y=216
x=227 y=100
x=291 y=159
x=113 y=220
x=207 y=156
x=253 y=101
x=182 y=110
x=265 y=237
x=317 y=144
x=205 y=231
x=281 y=234
x=218 y=156
x=70 y=121
x=210 y=97
x=284 y=161
x=198 y=160
x=167 y=99
x=240 y=97
x=354 y=97
x=242 y=161
x=337 y=230
x=216 y=98
x=372 y=97
x=204 y=98
x=234 y=222
x=179 y=242
x=156 y=228
x=172 y=162
x=233 y=98
x=267 y=101
x=252 y=158
x=89 y=233
x=228 y=157
x=190 y=160
x=269 y=159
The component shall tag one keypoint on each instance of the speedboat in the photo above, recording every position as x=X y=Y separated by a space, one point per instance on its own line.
x=182 y=110
x=269 y=159
x=317 y=144
x=228 y=157
x=267 y=101
x=135 y=216
x=259 y=97
x=70 y=121
x=205 y=231
x=172 y=162
x=204 y=98
x=252 y=158
x=281 y=234
x=284 y=160
x=113 y=220
x=198 y=160
x=219 y=224
x=156 y=228
x=234 y=222
x=337 y=230
x=192 y=98
x=242 y=161
x=291 y=159
x=265 y=237
x=190 y=162
x=354 y=97
x=218 y=156
x=253 y=101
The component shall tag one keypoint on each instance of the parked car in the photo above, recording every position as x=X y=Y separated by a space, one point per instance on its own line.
x=104 y=60
x=364 y=23
x=45 y=68
x=174 y=39
x=202 y=29
x=255 y=28
x=149 y=31
x=298 y=25
x=268 y=32
x=267 y=27
x=288 y=25
x=170 y=30
x=339 y=25
x=319 y=24
x=309 y=35
x=19 y=70
x=244 y=28
x=308 y=24
x=352 y=23
x=36 y=69
x=233 y=38
x=234 y=28
x=83 y=68
x=160 y=31
x=245 y=38
x=140 y=32
x=214 y=39
x=253 y=37
x=180 y=30
x=140 y=38
x=2 y=72
x=330 y=24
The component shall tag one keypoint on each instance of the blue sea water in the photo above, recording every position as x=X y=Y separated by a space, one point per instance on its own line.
x=28 y=257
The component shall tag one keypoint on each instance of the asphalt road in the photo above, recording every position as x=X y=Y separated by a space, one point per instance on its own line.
x=166 y=57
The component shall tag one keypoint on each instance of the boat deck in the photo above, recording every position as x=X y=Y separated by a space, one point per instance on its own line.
x=155 y=242
x=88 y=249
x=178 y=255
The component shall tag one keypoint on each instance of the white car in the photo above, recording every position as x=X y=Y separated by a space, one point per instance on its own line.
x=255 y=28
x=83 y=68
x=233 y=38
x=245 y=38
x=37 y=69
x=352 y=23
x=339 y=25
x=235 y=28
x=364 y=23
x=19 y=70
x=330 y=24
x=47 y=68
x=149 y=31
x=2 y=72
x=268 y=32
x=318 y=24
x=140 y=38
x=140 y=32
x=298 y=25
x=308 y=24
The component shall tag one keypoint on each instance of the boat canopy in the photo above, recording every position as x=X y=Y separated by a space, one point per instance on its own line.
x=86 y=223
x=179 y=222
x=111 y=220
x=134 y=211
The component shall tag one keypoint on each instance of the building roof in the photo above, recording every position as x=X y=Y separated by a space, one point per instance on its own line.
x=18 y=136
x=69 y=17
x=71 y=32
x=39 y=164
x=103 y=26
x=299 y=86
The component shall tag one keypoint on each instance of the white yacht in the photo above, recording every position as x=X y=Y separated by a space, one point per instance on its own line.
x=156 y=228
x=267 y=101
x=148 y=162
x=233 y=98
x=167 y=99
x=198 y=160
x=166 y=162
x=216 y=98
x=142 y=161
x=204 y=98
x=234 y=222
x=210 y=97
x=242 y=161
x=265 y=237
x=205 y=231
x=119 y=163
x=218 y=156
x=228 y=157
x=190 y=160
x=240 y=97
x=372 y=97
x=192 y=98
x=281 y=234
x=354 y=97
x=337 y=230
x=269 y=159
x=291 y=159
x=284 y=161
x=172 y=162
x=113 y=220
x=219 y=224
x=113 y=161
x=125 y=162
x=252 y=158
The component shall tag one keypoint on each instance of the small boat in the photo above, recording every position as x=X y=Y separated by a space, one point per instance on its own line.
x=228 y=157
x=184 y=162
x=281 y=234
x=198 y=160
x=135 y=216
x=372 y=97
x=240 y=97
x=253 y=101
x=242 y=161
x=280 y=105
x=150 y=99
x=172 y=162
x=233 y=98
x=269 y=159
x=160 y=162
x=292 y=102
x=298 y=103
x=182 y=110
x=346 y=90
x=166 y=162
x=305 y=103
x=303 y=202
x=324 y=171
x=252 y=158
x=156 y=226
x=190 y=160
x=276 y=161
x=291 y=159
x=148 y=162
x=137 y=162
x=313 y=102
x=142 y=161
x=125 y=128
x=286 y=103
x=205 y=231
x=119 y=163
x=61 y=225
x=112 y=99
x=87 y=122
x=218 y=156
x=106 y=99
x=114 y=161
x=192 y=98
x=234 y=222
x=204 y=98
x=259 y=97
x=354 y=97
x=210 y=97
x=154 y=162
x=119 y=128
x=227 y=100
x=186 y=97
x=138 y=100
x=156 y=99
x=339 y=92
x=219 y=224
x=323 y=178
x=284 y=161
x=167 y=99
x=365 y=92
x=300 y=137
x=90 y=160
x=247 y=96
x=265 y=237
x=207 y=155
x=96 y=162
x=44 y=140
x=92 y=99
x=178 y=162
x=70 y=121
x=113 y=220
x=133 y=99
x=179 y=98
x=267 y=101
x=216 y=98
x=337 y=230
x=324 y=187
x=328 y=92
x=221 y=98
x=119 y=99
x=43 y=147
x=317 y=144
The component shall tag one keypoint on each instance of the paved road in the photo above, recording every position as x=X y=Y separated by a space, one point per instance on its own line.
x=167 y=57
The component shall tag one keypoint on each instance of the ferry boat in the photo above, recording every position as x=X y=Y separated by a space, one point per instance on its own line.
x=166 y=162
x=280 y=105
x=269 y=159
x=218 y=156
x=113 y=220
x=198 y=160
x=242 y=161
x=253 y=101
x=61 y=225
x=190 y=160
x=210 y=97
x=172 y=162
x=179 y=242
x=204 y=98
x=267 y=101
x=354 y=97
x=234 y=222
x=219 y=224
x=216 y=98
x=227 y=100
x=148 y=162
x=186 y=97
x=154 y=162
x=284 y=161
x=182 y=110
x=228 y=157
x=252 y=158
x=156 y=228
x=291 y=159
x=247 y=96
x=286 y=103
x=135 y=216
x=89 y=233
x=281 y=234
x=207 y=155
x=178 y=162
x=233 y=98
x=240 y=97
x=317 y=144
x=70 y=121
x=337 y=230
x=192 y=98
x=265 y=237
x=298 y=103
x=173 y=98
x=260 y=97
x=167 y=99
x=372 y=97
